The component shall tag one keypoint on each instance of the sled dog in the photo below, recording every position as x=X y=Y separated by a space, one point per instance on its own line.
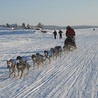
x=47 y=54
x=57 y=51
x=11 y=65
x=21 y=66
x=38 y=59
x=22 y=58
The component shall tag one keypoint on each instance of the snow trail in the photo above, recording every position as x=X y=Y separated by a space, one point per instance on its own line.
x=73 y=75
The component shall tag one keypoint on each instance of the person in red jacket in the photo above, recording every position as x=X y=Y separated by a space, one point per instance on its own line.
x=70 y=34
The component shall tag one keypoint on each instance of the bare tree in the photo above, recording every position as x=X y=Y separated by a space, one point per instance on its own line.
x=23 y=25
x=7 y=25
x=40 y=25
x=28 y=26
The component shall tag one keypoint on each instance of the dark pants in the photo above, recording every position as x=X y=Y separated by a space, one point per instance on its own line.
x=54 y=36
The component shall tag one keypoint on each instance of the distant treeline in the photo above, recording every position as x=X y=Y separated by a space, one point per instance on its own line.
x=52 y=27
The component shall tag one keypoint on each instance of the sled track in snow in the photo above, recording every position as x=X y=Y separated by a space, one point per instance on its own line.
x=76 y=71
x=14 y=80
x=35 y=86
x=4 y=74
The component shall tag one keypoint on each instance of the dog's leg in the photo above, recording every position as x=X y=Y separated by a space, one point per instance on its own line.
x=11 y=73
x=27 y=70
x=18 y=72
x=56 y=56
x=49 y=59
x=43 y=63
x=38 y=64
x=33 y=65
x=53 y=55
x=28 y=67
x=21 y=74
x=14 y=72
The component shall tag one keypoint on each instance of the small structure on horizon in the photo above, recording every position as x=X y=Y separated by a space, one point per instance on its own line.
x=93 y=29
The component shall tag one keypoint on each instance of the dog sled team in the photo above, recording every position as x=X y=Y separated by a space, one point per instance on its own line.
x=21 y=62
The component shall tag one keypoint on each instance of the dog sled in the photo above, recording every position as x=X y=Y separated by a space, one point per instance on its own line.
x=69 y=44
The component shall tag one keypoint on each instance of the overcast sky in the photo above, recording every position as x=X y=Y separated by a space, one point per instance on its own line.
x=49 y=12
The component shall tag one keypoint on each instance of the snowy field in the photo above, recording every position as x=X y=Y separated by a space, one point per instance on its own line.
x=74 y=75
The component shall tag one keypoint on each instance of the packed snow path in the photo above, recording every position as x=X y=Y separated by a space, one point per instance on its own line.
x=74 y=75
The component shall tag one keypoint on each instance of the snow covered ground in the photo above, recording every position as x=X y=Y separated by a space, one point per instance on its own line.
x=74 y=75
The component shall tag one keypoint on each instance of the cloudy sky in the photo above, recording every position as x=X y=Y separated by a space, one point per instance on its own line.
x=49 y=12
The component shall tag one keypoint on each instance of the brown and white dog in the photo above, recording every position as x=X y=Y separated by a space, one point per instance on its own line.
x=11 y=65
x=38 y=59
x=21 y=66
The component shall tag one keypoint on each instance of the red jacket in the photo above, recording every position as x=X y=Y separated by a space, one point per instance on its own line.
x=70 y=32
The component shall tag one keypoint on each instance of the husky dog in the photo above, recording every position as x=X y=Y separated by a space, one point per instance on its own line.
x=11 y=65
x=57 y=50
x=38 y=59
x=47 y=54
x=54 y=52
x=21 y=66
x=67 y=48
x=34 y=59
x=22 y=58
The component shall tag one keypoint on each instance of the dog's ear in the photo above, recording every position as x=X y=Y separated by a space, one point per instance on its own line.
x=18 y=57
